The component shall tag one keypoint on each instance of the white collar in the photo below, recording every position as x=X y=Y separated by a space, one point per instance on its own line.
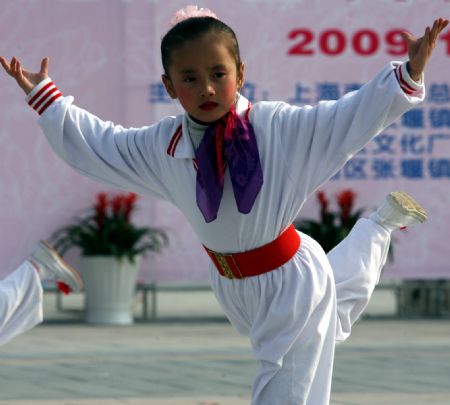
x=180 y=144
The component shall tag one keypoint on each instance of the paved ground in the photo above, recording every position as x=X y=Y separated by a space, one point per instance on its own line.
x=207 y=363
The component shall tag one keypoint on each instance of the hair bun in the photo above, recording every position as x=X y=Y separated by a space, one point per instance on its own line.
x=189 y=12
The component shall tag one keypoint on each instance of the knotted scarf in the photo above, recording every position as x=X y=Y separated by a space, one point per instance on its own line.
x=230 y=142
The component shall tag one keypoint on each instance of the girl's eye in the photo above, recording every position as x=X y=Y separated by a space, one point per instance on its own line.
x=220 y=75
x=189 y=79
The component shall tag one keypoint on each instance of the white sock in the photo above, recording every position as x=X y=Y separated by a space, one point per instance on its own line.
x=375 y=218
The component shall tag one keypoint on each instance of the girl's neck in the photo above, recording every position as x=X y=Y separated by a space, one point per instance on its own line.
x=196 y=130
x=196 y=121
x=206 y=124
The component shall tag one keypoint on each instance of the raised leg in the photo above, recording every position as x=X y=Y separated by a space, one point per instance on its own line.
x=358 y=260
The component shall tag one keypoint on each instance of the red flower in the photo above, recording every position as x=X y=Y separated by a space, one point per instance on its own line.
x=323 y=201
x=100 y=208
x=129 y=201
x=117 y=204
x=102 y=202
x=106 y=229
x=345 y=200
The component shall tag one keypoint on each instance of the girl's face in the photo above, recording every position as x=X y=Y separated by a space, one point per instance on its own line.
x=204 y=77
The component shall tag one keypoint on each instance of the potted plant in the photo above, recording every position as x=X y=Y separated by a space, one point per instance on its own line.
x=111 y=247
x=332 y=226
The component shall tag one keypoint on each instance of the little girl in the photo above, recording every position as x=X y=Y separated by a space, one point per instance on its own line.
x=240 y=174
x=21 y=290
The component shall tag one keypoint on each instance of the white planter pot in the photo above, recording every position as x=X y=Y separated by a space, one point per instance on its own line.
x=110 y=287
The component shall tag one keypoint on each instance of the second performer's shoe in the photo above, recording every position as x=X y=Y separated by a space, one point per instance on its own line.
x=399 y=210
x=44 y=255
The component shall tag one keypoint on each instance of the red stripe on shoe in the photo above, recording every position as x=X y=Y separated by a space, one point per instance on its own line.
x=63 y=287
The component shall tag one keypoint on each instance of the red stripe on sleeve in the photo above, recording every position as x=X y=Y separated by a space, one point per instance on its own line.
x=36 y=96
x=47 y=104
x=400 y=81
x=403 y=82
x=406 y=90
x=45 y=97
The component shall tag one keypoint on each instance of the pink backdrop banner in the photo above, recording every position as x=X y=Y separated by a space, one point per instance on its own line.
x=106 y=54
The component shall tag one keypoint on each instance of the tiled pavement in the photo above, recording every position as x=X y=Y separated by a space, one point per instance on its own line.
x=206 y=363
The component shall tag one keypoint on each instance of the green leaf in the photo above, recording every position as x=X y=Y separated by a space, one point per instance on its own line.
x=115 y=236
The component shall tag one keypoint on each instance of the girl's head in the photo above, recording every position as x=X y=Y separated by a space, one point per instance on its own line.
x=202 y=66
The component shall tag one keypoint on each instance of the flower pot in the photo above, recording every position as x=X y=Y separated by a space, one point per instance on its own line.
x=110 y=287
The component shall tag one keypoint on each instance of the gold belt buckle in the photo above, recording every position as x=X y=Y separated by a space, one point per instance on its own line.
x=224 y=265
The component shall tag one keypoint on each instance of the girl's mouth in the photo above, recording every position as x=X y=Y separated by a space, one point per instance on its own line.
x=208 y=106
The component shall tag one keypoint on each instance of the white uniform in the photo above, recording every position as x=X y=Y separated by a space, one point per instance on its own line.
x=20 y=302
x=291 y=314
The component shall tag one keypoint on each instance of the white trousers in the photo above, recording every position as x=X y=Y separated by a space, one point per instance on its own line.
x=294 y=315
x=20 y=302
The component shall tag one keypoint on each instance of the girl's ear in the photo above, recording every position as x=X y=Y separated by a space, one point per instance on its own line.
x=240 y=77
x=169 y=86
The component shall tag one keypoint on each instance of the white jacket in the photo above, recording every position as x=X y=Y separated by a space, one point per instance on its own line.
x=300 y=148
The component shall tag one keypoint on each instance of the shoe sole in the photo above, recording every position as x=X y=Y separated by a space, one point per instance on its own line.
x=408 y=205
x=63 y=264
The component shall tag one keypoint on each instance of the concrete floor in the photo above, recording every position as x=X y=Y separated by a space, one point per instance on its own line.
x=64 y=361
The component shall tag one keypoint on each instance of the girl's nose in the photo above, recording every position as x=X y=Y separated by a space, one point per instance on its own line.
x=207 y=90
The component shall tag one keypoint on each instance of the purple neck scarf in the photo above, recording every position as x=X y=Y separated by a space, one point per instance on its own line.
x=230 y=142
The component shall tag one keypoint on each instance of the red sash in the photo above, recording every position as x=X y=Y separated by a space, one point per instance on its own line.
x=260 y=260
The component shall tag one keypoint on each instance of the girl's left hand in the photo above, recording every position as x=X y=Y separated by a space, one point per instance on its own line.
x=420 y=49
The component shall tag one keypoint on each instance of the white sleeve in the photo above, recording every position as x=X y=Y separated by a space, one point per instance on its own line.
x=318 y=141
x=119 y=157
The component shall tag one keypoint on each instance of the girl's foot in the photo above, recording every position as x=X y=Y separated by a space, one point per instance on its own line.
x=399 y=210
x=45 y=256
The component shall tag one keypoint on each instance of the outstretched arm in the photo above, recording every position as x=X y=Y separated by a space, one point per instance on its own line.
x=98 y=149
x=321 y=139
x=24 y=78
x=420 y=49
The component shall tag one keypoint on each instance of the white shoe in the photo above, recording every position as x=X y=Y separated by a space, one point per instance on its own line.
x=44 y=255
x=399 y=210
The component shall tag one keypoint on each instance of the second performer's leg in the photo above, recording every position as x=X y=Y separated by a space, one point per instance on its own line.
x=20 y=302
x=21 y=291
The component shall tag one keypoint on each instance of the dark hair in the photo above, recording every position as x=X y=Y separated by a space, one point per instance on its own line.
x=193 y=28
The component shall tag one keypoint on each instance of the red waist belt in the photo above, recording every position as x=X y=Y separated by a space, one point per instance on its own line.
x=260 y=260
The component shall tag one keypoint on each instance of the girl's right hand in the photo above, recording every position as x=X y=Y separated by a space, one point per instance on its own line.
x=25 y=79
